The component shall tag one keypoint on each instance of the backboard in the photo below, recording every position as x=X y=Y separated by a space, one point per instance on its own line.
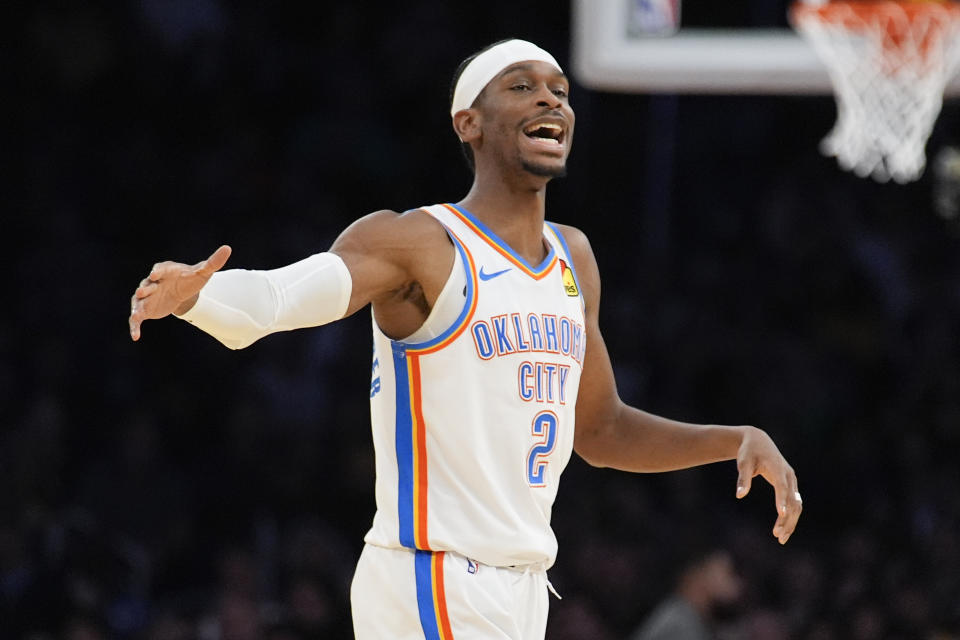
x=609 y=55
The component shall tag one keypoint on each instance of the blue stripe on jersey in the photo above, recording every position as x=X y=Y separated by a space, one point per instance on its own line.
x=566 y=250
x=423 y=563
x=466 y=303
x=503 y=245
x=404 y=446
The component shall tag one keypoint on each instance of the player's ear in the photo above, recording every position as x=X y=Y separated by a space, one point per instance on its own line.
x=466 y=124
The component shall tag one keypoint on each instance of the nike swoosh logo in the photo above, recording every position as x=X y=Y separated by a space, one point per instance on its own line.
x=491 y=276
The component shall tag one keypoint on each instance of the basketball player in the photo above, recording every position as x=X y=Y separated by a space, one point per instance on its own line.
x=488 y=370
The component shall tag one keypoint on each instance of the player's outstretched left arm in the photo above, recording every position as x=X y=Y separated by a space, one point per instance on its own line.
x=610 y=433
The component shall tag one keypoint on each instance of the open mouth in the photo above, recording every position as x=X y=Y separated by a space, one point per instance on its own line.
x=547 y=132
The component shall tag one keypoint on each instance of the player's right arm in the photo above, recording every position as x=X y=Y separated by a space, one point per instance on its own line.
x=372 y=259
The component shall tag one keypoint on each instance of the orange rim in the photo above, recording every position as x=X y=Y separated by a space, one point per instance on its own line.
x=922 y=21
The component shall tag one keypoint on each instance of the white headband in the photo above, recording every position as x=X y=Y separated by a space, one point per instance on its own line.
x=491 y=62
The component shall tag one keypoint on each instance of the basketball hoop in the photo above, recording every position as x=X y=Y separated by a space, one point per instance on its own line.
x=889 y=62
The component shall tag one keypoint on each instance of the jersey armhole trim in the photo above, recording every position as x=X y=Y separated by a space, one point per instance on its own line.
x=466 y=313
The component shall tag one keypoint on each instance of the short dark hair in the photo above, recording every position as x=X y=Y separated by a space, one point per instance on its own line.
x=465 y=146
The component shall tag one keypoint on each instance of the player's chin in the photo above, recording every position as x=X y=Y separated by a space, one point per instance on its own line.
x=545 y=169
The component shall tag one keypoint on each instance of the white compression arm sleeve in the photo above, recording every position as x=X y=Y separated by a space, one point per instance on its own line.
x=238 y=307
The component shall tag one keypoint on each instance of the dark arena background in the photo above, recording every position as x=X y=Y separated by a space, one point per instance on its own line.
x=173 y=489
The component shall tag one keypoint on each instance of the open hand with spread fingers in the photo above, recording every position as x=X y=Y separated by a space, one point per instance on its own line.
x=172 y=287
x=759 y=456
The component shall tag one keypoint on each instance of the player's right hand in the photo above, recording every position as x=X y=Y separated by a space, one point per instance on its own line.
x=172 y=287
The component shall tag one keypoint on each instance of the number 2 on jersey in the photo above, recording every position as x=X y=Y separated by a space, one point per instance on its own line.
x=545 y=429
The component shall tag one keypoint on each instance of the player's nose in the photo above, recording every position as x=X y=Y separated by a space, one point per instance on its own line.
x=546 y=98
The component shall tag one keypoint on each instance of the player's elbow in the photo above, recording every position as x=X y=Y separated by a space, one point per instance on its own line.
x=593 y=461
x=597 y=437
x=235 y=344
x=592 y=443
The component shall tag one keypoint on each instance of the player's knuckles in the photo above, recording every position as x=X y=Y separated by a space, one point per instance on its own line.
x=161 y=269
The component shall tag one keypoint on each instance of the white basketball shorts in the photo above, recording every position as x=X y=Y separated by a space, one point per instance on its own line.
x=402 y=594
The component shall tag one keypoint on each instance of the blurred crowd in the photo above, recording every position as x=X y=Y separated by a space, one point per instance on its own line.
x=175 y=490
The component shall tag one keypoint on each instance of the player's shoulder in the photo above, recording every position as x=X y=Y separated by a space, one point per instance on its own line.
x=422 y=230
x=570 y=233
x=576 y=240
x=420 y=220
x=412 y=229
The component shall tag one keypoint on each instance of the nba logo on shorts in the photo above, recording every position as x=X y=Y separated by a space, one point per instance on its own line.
x=654 y=17
x=472 y=567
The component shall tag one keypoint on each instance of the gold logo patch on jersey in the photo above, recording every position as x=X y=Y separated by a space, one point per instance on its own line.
x=569 y=282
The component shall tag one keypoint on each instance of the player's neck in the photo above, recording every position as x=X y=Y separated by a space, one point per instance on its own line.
x=513 y=212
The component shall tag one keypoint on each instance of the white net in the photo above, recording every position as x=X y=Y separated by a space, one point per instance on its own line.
x=889 y=63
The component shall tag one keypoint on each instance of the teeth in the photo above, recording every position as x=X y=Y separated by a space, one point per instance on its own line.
x=549 y=125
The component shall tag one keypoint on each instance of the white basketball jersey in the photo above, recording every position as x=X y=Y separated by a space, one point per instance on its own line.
x=473 y=419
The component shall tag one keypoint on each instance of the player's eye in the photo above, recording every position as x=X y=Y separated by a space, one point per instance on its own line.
x=521 y=87
x=560 y=91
